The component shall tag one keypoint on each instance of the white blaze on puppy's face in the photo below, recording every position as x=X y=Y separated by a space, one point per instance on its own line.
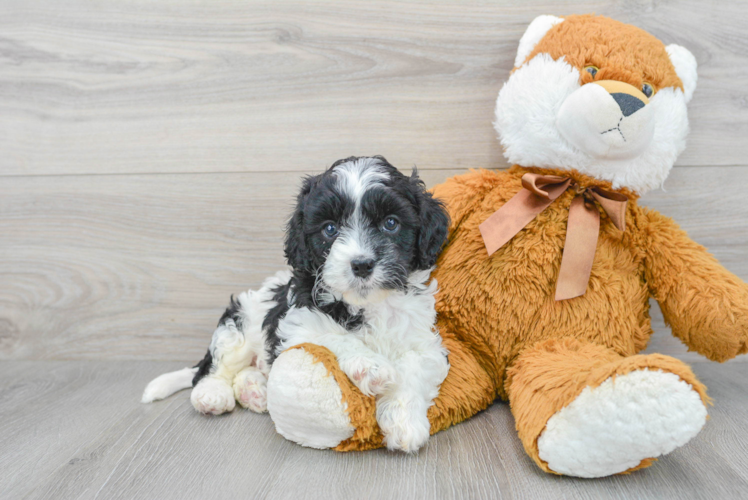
x=361 y=228
x=356 y=177
x=354 y=244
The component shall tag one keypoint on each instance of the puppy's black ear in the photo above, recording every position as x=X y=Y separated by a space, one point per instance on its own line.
x=434 y=224
x=295 y=249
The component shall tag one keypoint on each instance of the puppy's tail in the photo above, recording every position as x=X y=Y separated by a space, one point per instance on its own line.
x=167 y=384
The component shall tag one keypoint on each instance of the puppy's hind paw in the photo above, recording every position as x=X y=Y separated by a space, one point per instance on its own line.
x=250 y=389
x=212 y=397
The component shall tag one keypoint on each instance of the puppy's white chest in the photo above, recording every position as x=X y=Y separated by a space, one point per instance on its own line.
x=393 y=330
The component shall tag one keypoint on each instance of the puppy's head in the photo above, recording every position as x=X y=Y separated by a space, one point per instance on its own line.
x=361 y=228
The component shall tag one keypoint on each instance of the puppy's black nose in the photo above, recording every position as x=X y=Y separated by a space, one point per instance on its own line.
x=362 y=268
x=628 y=103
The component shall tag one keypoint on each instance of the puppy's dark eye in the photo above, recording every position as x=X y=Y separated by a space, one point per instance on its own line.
x=330 y=230
x=592 y=70
x=390 y=225
x=647 y=90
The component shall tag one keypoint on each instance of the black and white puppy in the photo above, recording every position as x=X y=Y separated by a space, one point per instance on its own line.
x=361 y=244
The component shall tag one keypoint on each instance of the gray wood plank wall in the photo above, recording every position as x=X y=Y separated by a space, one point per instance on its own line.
x=149 y=154
x=151 y=150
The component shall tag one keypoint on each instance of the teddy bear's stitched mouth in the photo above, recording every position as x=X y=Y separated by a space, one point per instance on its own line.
x=618 y=128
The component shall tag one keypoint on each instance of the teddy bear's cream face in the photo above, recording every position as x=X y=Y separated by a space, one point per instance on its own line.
x=605 y=121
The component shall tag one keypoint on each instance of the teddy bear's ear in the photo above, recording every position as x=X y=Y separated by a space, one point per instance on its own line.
x=685 y=67
x=533 y=34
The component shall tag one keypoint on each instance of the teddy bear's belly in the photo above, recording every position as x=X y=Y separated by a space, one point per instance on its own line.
x=506 y=301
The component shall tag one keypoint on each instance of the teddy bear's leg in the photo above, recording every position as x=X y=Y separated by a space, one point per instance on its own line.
x=583 y=410
x=313 y=403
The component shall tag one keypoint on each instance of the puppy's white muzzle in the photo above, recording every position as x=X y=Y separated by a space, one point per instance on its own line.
x=338 y=274
x=607 y=120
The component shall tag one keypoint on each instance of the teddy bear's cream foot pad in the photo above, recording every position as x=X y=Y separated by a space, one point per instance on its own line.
x=305 y=402
x=626 y=419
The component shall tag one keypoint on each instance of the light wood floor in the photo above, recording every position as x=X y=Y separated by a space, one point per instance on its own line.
x=75 y=430
x=149 y=154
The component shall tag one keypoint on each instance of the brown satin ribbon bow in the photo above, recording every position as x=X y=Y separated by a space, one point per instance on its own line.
x=581 y=232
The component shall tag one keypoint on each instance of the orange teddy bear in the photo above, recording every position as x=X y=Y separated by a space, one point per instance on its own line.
x=593 y=115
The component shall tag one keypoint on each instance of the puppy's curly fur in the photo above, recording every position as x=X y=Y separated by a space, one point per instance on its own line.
x=361 y=243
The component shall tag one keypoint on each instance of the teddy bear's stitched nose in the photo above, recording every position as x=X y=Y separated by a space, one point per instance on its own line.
x=607 y=119
x=629 y=104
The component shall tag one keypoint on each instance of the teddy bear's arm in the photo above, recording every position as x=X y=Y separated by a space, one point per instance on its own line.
x=705 y=305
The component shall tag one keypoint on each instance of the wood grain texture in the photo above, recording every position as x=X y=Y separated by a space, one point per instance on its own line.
x=141 y=266
x=74 y=429
x=236 y=86
x=134 y=266
x=150 y=153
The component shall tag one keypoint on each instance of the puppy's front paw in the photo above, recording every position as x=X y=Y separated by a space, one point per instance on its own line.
x=212 y=396
x=250 y=389
x=370 y=376
x=404 y=428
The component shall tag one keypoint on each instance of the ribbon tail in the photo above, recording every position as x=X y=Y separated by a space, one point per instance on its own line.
x=579 y=249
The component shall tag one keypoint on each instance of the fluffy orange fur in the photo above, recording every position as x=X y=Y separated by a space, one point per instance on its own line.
x=621 y=52
x=508 y=337
x=361 y=409
x=548 y=376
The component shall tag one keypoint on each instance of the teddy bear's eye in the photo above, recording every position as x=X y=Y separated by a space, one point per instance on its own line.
x=647 y=89
x=592 y=70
